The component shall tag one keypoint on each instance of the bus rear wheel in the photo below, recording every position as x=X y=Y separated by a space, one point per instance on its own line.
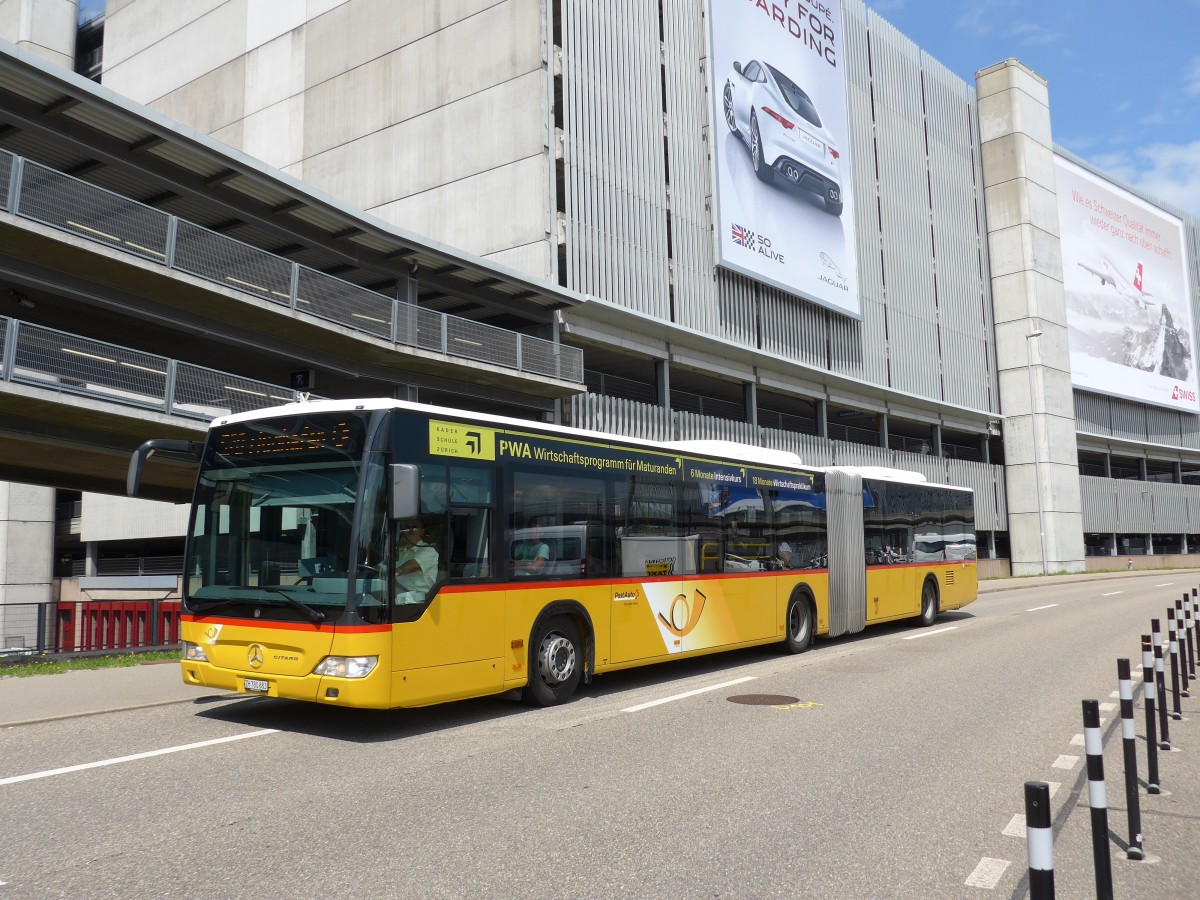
x=799 y=625
x=556 y=666
x=929 y=604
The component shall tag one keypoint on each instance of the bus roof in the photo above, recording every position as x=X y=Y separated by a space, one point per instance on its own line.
x=718 y=449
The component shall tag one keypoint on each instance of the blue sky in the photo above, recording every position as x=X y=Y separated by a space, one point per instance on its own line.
x=1124 y=78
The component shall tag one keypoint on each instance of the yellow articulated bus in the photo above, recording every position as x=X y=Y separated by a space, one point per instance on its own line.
x=386 y=554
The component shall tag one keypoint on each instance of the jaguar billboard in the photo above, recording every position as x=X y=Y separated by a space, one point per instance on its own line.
x=1129 y=309
x=784 y=199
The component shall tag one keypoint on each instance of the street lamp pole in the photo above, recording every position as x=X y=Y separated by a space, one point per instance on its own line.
x=1037 y=461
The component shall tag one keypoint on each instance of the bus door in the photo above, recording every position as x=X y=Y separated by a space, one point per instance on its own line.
x=847 y=554
x=646 y=596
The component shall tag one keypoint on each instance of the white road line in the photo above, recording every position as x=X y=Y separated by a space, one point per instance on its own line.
x=1112 y=593
x=1109 y=707
x=1015 y=826
x=913 y=637
x=1047 y=606
x=1165 y=584
x=1054 y=786
x=988 y=873
x=136 y=756
x=1065 y=762
x=1116 y=694
x=715 y=687
x=1077 y=741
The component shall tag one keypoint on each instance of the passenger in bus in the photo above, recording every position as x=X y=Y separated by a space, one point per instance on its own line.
x=783 y=553
x=416 y=563
x=533 y=553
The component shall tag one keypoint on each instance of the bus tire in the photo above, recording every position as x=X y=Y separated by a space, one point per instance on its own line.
x=798 y=635
x=929 y=603
x=556 y=662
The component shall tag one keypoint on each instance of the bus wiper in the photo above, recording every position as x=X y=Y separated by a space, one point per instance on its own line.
x=316 y=615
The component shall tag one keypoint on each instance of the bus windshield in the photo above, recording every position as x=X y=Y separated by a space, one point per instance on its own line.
x=273 y=519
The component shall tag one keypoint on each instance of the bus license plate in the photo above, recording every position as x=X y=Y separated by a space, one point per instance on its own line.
x=257 y=684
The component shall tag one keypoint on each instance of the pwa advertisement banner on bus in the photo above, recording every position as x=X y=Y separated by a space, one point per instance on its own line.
x=1129 y=308
x=781 y=148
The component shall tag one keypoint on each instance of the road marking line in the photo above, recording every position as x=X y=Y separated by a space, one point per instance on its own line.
x=1165 y=584
x=1077 y=741
x=1109 y=707
x=1015 y=826
x=715 y=687
x=1054 y=786
x=1047 y=606
x=1065 y=762
x=913 y=637
x=1112 y=593
x=1116 y=694
x=988 y=873
x=136 y=756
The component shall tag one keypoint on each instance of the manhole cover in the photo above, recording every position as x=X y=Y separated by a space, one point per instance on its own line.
x=763 y=699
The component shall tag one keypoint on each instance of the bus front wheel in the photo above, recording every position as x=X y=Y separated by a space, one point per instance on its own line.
x=799 y=625
x=557 y=664
x=929 y=603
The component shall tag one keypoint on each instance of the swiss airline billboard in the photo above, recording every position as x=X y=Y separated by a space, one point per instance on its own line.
x=1129 y=302
x=781 y=147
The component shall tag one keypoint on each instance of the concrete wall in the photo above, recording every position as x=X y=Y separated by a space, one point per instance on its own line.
x=105 y=517
x=46 y=27
x=433 y=115
x=26 y=543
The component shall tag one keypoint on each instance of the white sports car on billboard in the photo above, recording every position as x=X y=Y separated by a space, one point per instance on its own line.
x=777 y=120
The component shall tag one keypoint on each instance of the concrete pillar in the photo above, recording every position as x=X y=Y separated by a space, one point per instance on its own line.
x=1045 y=520
x=750 y=401
x=91 y=564
x=47 y=28
x=821 y=411
x=26 y=543
x=662 y=382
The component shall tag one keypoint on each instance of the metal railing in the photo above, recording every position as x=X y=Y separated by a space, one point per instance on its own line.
x=45 y=195
x=70 y=364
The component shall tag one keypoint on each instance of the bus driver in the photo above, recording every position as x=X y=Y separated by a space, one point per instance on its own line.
x=416 y=564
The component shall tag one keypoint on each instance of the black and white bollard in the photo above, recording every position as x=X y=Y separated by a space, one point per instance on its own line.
x=1097 y=799
x=1148 y=694
x=1039 y=840
x=1173 y=651
x=1182 y=635
x=1129 y=747
x=1164 y=727
x=1192 y=616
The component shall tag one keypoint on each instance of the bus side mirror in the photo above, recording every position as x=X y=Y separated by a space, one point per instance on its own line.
x=404 y=499
x=133 y=476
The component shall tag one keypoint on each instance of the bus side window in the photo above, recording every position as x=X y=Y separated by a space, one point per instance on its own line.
x=470 y=528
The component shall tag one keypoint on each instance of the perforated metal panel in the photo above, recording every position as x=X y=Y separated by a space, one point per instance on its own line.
x=615 y=182
x=847 y=557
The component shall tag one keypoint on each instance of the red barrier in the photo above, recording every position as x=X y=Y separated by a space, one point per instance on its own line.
x=116 y=625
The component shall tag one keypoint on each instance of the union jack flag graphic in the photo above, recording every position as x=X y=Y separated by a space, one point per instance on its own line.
x=741 y=236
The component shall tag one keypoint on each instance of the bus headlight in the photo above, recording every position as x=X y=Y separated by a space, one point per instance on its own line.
x=346 y=666
x=194 y=652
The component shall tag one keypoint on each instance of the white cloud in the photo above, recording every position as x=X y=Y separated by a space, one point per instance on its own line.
x=1192 y=78
x=1168 y=172
x=1031 y=34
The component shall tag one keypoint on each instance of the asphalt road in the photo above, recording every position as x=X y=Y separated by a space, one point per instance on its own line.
x=889 y=764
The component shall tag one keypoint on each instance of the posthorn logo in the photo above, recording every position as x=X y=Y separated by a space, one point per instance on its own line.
x=1178 y=393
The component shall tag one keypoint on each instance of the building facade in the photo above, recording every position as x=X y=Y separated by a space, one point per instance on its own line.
x=585 y=143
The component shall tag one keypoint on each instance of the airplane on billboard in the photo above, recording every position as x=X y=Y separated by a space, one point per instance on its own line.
x=1131 y=292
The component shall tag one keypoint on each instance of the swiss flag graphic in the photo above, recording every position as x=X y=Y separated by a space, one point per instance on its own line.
x=1137 y=277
